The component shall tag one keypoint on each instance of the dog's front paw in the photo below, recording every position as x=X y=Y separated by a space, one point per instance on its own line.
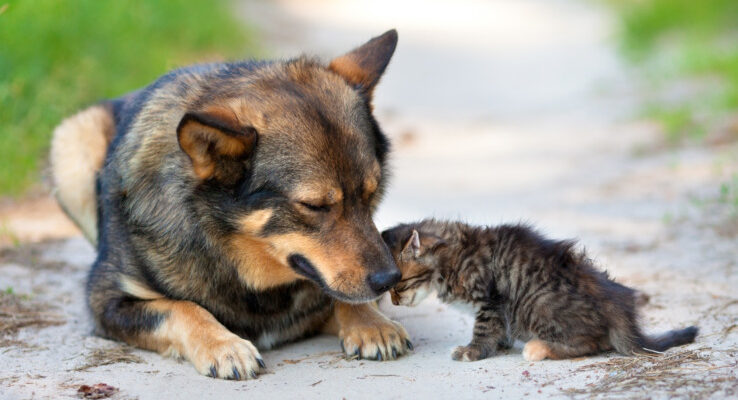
x=227 y=356
x=471 y=352
x=376 y=339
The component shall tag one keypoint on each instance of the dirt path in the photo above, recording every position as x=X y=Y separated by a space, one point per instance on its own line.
x=499 y=111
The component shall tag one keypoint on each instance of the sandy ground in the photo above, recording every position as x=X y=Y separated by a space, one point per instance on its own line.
x=499 y=111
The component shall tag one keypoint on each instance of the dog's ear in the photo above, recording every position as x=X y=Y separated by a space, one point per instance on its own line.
x=209 y=138
x=363 y=66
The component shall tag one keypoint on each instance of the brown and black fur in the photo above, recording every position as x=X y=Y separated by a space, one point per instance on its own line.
x=521 y=286
x=234 y=206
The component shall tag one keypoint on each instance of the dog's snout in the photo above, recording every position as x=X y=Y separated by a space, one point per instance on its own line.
x=383 y=280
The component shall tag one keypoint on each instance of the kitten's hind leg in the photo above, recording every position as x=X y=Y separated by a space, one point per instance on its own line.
x=537 y=350
x=489 y=330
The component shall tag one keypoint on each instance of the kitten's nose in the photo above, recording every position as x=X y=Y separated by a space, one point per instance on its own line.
x=381 y=281
x=395 y=297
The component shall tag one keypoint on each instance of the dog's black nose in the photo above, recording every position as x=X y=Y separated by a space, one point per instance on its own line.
x=382 y=281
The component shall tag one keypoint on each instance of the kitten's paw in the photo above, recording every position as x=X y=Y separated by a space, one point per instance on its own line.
x=377 y=339
x=470 y=353
x=536 y=350
x=505 y=344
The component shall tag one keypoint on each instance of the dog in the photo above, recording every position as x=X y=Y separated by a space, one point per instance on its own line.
x=231 y=205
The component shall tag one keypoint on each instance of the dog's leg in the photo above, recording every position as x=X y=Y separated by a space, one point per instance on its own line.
x=366 y=333
x=180 y=328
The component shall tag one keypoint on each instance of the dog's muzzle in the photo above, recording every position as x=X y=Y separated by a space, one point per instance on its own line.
x=302 y=266
x=384 y=280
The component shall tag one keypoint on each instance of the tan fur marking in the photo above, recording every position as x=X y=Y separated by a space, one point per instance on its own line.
x=370 y=186
x=537 y=350
x=247 y=114
x=371 y=183
x=199 y=141
x=184 y=323
x=339 y=271
x=318 y=193
x=257 y=266
x=190 y=331
x=253 y=223
x=137 y=289
x=364 y=65
x=78 y=150
x=347 y=67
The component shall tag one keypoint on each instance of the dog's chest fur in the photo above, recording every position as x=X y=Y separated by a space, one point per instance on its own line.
x=280 y=315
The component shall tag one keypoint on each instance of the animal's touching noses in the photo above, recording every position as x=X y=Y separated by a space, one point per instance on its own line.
x=383 y=280
x=395 y=297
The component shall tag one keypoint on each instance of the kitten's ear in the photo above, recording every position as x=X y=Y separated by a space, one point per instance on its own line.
x=430 y=243
x=418 y=245
x=412 y=246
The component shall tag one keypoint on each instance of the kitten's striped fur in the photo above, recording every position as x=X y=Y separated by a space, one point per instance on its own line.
x=523 y=286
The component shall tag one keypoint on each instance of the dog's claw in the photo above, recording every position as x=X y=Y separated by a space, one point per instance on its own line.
x=236 y=374
x=409 y=344
x=213 y=371
x=343 y=349
x=261 y=362
x=253 y=374
x=376 y=338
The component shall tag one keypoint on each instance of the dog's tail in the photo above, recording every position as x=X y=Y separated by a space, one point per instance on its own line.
x=78 y=150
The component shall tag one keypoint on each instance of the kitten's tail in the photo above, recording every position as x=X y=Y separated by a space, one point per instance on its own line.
x=634 y=343
x=668 y=339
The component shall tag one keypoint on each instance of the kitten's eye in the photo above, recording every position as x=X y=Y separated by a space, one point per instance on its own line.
x=315 y=207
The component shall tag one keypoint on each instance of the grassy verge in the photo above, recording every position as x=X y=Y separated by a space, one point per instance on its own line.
x=59 y=55
x=688 y=48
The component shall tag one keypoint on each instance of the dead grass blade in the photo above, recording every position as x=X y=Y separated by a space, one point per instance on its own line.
x=681 y=374
x=17 y=312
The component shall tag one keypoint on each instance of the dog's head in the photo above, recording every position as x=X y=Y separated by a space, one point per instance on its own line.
x=290 y=158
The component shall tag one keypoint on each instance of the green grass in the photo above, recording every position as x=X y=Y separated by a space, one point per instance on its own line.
x=59 y=55
x=729 y=193
x=685 y=39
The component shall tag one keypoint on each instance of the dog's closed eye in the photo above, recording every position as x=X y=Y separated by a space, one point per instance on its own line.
x=315 y=207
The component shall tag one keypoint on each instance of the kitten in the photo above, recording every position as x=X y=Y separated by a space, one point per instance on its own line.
x=521 y=286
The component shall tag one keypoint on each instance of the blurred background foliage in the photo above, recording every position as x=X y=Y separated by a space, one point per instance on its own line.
x=57 y=56
x=689 y=50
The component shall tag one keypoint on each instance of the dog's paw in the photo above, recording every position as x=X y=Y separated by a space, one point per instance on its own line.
x=536 y=350
x=227 y=357
x=470 y=353
x=378 y=339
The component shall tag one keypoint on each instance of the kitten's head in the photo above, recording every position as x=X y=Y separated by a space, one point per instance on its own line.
x=414 y=252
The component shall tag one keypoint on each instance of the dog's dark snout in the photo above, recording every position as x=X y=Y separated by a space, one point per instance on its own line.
x=382 y=281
